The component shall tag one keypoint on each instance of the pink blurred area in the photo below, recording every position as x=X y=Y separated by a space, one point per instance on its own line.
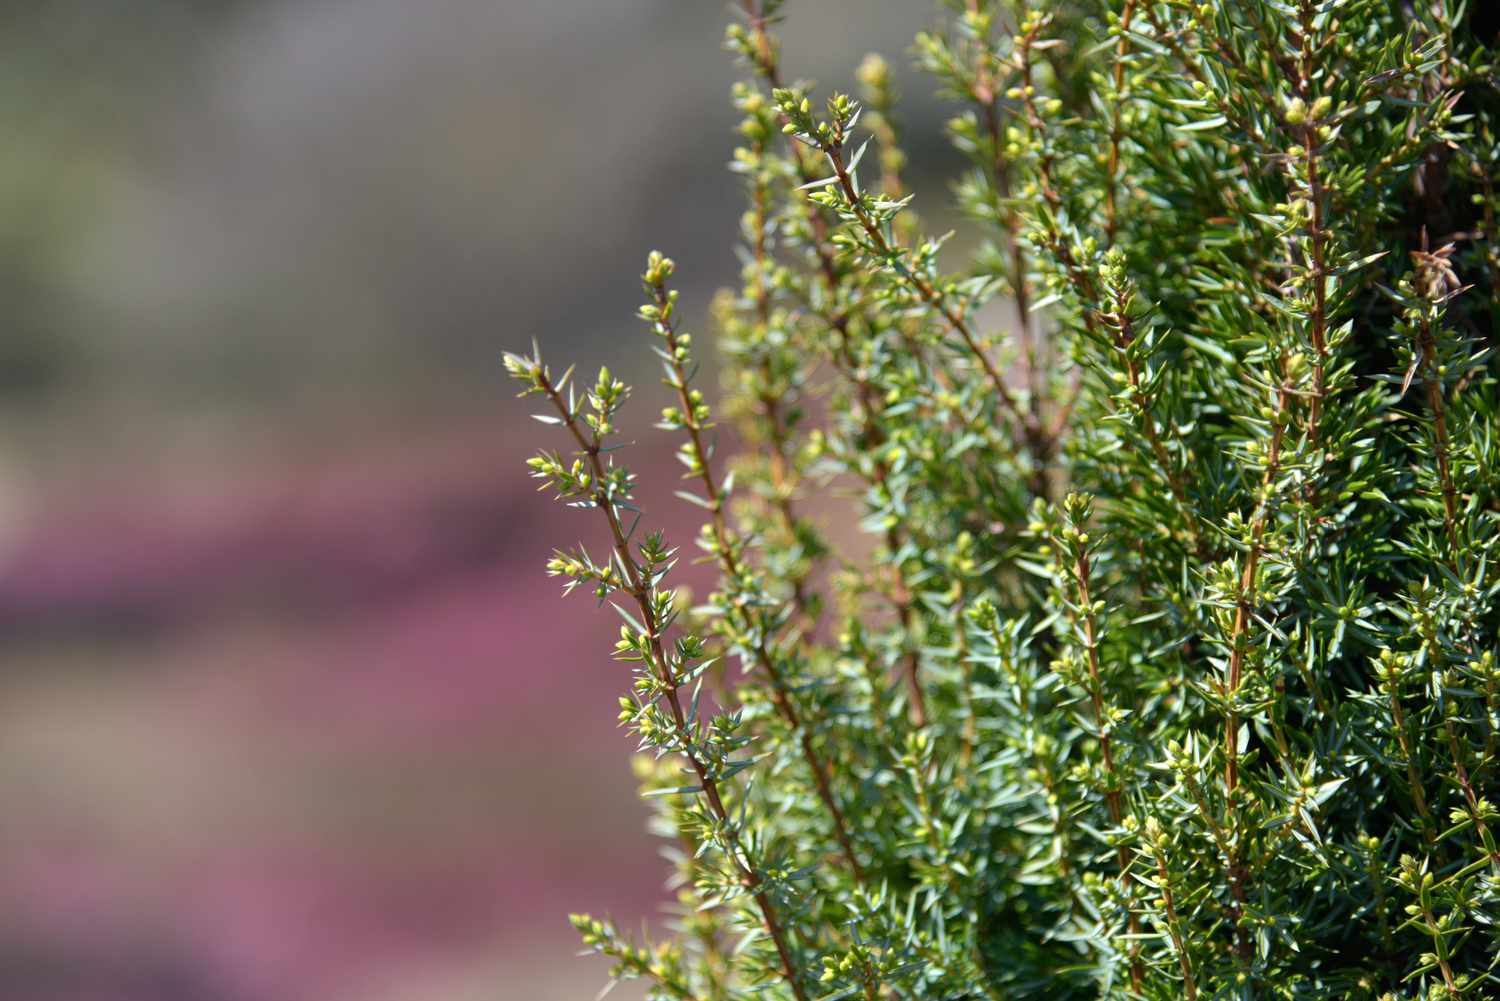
x=325 y=730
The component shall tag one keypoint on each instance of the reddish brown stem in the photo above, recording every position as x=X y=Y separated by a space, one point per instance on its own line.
x=1238 y=641
x=1302 y=73
x=1081 y=577
x=1440 y=439
x=1189 y=983
x=1116 y=129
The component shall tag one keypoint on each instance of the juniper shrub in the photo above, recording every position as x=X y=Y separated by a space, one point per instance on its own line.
x=1169 y=671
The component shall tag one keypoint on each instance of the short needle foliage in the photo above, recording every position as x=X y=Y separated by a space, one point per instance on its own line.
x=1168 y=669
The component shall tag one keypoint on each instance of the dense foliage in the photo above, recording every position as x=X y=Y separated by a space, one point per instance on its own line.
x=1169 y=667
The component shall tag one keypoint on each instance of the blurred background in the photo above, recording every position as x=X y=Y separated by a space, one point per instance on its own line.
x=288 y=709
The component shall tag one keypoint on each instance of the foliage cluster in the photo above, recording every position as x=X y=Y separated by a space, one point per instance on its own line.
x=1169 y=669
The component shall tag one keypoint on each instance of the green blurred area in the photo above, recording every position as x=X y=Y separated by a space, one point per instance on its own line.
x=258 y=208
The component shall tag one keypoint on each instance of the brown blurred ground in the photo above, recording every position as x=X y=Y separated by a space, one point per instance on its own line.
x=287 y=708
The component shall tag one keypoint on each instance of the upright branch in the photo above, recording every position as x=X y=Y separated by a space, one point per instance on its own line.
x=1244 y=595
x=757 y=358
x=1391 y=670
x=973 y=69
x=873 y=217
x=691 y=416
x=1239 y=644
x=1308 y=115
x=1157 y=842
x=1027 y=44
x=1435 y=405
x=1433 y=286
x=755 y=42
x=1116 y=126
x=1117 y=319
x=1072 y=542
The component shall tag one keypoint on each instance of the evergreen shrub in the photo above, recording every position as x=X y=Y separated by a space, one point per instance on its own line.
x=1168 y=668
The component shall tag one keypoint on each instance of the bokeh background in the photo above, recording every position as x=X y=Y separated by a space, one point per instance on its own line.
x=288 y=709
